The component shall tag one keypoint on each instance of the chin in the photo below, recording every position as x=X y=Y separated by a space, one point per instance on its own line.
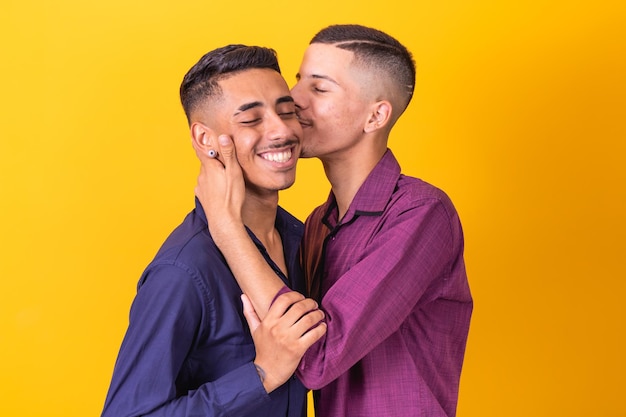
x=286 y=184
x=306 y=152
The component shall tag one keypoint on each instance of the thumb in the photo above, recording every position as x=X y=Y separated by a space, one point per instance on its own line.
x=234 y=173
x=250 y=314
x=227 y=150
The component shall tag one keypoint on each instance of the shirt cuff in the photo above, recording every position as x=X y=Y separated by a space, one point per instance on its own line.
x=241 y=391
x=285 y=289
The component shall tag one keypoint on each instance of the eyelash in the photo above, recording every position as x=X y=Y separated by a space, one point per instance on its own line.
x=283 y=115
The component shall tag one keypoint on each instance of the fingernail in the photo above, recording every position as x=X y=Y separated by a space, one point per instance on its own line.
x=223 y=139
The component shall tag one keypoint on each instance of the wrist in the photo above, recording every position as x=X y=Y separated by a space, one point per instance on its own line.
x=265 y=380
x=260 y=372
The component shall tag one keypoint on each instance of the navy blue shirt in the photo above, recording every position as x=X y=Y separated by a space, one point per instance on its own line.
x=188 y=350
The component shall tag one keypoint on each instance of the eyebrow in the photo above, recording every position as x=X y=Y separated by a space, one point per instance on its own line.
x=319 y=77
x=253 y=104
x=285 y=99
x=248 y=106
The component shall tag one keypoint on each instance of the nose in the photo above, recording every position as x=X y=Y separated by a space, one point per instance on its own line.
x=298 y=96
x=277 y=129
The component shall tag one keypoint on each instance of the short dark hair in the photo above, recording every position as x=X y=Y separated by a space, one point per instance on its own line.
x=373 y=47
x=201 y=81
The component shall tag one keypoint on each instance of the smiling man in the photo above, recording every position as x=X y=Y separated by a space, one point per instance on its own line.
x=188 y=350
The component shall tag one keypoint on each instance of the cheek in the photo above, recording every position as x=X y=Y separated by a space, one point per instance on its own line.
x=294 y=126
x=244 y=141
x=339 y=118
x=327 y=115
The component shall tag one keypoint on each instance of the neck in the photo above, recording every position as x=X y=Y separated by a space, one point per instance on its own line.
x=259 y=215
x=348 y=170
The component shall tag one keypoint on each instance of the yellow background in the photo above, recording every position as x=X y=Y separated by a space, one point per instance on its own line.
x=519 y=114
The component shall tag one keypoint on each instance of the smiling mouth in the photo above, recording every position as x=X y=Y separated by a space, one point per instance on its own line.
x=280 y=157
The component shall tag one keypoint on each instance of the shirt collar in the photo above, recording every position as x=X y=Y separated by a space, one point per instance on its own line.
x=374 y=193
x=200 y=212
x=287 y=225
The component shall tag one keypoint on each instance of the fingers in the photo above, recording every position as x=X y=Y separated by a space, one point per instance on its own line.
x=250 y=314
x=312 y=336
x=302 y=331
x=283 y=303
x=226 y=149
x=294 y=311
x=228 y=154
x=304 y=311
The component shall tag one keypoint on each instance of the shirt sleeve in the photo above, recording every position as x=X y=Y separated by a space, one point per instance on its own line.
x=375 y=296
x=164 y=322
x=284 y=290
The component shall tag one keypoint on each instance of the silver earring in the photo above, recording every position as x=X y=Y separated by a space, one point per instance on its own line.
x=212 y=153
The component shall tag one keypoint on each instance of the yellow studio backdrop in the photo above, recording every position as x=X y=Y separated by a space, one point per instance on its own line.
x=519 y=114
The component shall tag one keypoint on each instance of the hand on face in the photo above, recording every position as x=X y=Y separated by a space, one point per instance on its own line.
x=220 y=188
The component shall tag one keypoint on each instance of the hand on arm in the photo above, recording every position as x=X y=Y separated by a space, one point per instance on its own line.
x=221 y=191
x=290 y=327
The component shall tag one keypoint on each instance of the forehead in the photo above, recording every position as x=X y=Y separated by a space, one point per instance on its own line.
x=324 y=59
x=254 y=85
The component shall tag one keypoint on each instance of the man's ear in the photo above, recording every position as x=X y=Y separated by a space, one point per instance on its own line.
x=379 y=116
x=203 y=137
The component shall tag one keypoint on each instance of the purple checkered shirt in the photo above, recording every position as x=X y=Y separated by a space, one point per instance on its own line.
x=392 y=282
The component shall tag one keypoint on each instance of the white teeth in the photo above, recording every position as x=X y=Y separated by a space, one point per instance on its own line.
x=283 y=156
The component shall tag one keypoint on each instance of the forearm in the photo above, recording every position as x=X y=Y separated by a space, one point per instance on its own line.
x=255 y=277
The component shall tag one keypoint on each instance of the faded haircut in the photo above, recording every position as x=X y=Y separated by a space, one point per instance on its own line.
x=202 y=80
x=374 y=48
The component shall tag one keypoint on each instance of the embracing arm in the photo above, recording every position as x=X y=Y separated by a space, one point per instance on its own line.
x=221 y=192
x=255 y=277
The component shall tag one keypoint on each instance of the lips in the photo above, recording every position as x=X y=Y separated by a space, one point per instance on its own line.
x=303 y=122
